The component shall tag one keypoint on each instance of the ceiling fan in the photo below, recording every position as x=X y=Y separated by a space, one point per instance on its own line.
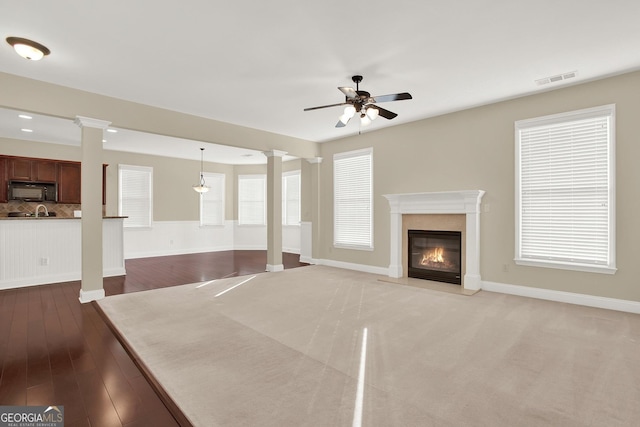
x=360 y=101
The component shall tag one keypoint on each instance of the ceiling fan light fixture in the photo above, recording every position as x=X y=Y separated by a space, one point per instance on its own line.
x=349 y=111
x=201 y=187
x=28 y=49
x=372 y=113
x=364 y=120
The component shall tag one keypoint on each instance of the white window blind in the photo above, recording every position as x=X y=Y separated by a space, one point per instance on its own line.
x=291 y=198
x=352 y=192
x=212 y=202
x=565 y=191
x=135 y=195
x=251 y=199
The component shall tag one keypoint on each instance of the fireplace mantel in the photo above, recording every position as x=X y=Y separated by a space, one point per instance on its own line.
x=447 y=202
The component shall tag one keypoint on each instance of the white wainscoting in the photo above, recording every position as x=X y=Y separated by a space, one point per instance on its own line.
x=186 y=237
x=40 y=251
x=177 y=237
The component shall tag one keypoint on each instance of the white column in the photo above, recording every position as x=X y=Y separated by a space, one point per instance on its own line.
x=274 y=210
x=91 y=194
x=472 y=278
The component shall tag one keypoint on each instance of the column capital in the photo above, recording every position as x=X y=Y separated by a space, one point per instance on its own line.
x=314 y=160
x=274 y=153
x=88 y=122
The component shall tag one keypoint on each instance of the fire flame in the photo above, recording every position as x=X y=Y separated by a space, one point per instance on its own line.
x=434 y=256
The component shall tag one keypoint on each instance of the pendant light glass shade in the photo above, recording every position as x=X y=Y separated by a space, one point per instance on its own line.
x=201 y=187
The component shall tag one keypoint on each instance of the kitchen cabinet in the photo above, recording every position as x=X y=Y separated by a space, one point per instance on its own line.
x=3 y=180
x=19 y=169
x=66 y=174
x=26 y=169
x=43 y=170
x=69 y=182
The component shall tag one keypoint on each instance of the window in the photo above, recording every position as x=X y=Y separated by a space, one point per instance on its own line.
x=135 y=195
x=352 y=199
x=212 y=202
x=251 y=199
x=565 y=206
x=291 y=198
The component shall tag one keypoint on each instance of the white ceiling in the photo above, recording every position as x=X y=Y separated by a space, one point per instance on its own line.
x=259 y=64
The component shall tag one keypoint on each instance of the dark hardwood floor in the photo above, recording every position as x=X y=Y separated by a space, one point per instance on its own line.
x=56 y=351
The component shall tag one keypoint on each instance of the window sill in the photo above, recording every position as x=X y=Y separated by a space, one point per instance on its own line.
x=567 y=266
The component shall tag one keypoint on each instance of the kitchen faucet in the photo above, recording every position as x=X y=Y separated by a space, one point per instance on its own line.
x=46 y=211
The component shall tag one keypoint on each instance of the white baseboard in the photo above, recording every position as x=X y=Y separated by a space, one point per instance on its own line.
x=55 y=278
x=351 y=266
x=561 y=296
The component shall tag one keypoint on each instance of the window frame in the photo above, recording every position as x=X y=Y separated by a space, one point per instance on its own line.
x=123 y=168
x=338 y=241
x=605 y=111
x=285 y=197
x=263 y=177
x=220 y=179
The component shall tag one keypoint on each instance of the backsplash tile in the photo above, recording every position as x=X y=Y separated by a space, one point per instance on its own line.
x=62 y=210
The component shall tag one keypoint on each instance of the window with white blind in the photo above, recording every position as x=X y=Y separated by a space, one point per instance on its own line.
x=252 y=190
x=565 y=194
x=212 y=202
x=352 y=199
x=135 y=195
x=291 y=198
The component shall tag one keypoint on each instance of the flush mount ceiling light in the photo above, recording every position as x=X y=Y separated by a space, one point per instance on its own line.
x=28 y=49
x=201 y=187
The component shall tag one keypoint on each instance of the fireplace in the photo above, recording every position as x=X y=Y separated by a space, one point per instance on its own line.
x=435 y=255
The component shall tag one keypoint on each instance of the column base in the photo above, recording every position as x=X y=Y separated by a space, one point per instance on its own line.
x=88 y=296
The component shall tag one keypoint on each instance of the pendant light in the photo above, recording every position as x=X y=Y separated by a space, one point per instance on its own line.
x=201 y=187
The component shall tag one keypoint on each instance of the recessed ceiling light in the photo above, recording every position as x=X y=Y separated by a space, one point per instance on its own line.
x=28 y=49
x=112 y=130
x=26 y=130
x=24 y=116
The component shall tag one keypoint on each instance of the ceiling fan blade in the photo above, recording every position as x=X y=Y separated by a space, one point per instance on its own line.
x=393 y=97
x=325 y=106
x=349 y=92
x=384 y=113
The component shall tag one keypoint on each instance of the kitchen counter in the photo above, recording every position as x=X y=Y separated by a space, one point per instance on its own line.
x=36 y=251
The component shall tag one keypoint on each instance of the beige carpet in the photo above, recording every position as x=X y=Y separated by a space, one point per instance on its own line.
x=284 y=349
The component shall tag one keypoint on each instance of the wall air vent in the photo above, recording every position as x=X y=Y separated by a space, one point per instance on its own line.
x=556 y=78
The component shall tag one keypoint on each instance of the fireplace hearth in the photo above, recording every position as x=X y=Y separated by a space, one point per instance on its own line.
x=435 y=255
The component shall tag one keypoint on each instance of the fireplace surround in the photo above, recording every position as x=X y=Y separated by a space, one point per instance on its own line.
x=465 y=204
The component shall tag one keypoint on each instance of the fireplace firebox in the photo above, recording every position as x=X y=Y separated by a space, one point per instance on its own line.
x=435 y=255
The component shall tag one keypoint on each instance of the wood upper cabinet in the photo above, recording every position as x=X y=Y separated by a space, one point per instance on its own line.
x=19 y=169
x=26 y=169
x=3 y=180
x=69 y=182
x=44 y=170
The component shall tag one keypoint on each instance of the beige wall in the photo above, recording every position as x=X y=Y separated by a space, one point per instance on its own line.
x=474 y=149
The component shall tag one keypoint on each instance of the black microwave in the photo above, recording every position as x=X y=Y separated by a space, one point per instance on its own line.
x=33 y=191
